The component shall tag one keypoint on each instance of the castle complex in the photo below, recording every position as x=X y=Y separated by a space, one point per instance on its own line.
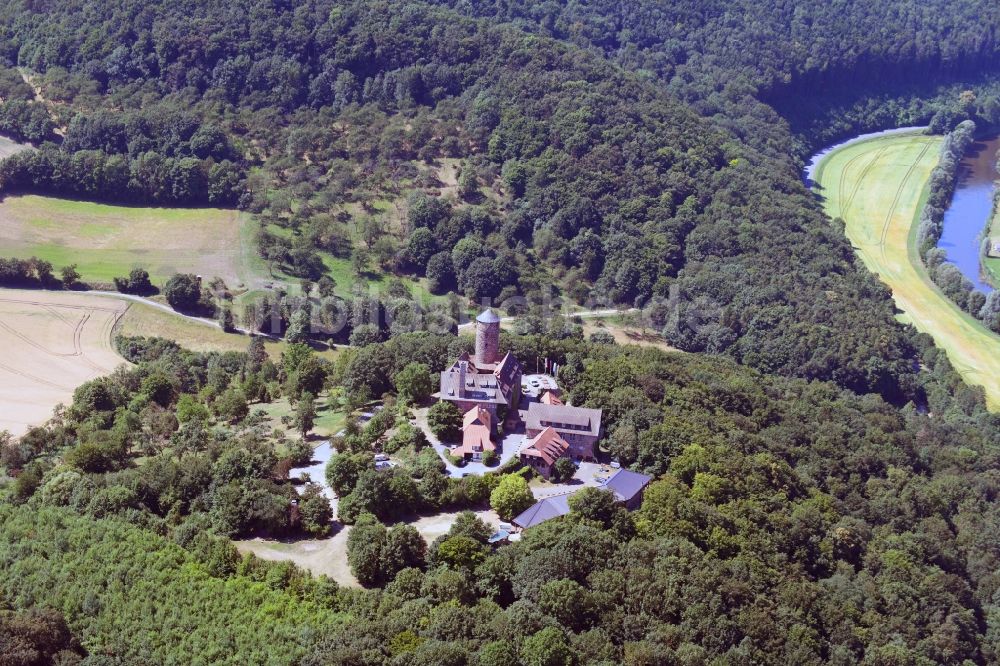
x=486 y=380
x=487 y=389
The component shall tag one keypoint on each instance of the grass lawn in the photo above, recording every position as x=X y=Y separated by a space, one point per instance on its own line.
x=328 y=421
x=106 y=241
x=151 y=322
x=992 y=264
x=343 y=274
x=878 y=188
x=340 y=270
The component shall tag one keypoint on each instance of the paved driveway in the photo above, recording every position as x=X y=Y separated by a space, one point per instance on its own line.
x=587 y=474
x=510 y=445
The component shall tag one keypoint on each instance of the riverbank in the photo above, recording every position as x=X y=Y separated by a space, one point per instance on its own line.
x=878 y=186
x=967 y=220
x=990 y=243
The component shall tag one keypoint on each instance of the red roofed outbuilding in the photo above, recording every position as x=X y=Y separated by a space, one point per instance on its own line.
x=477 y=434
x=542 y=451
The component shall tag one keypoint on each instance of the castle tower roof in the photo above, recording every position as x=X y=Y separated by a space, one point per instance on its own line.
x=487 y=316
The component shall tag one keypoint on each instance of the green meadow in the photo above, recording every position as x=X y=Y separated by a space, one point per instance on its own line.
x=878 y=188
x=105 y=241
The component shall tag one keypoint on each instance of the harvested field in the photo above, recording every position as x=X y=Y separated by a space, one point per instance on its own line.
x=53 y=342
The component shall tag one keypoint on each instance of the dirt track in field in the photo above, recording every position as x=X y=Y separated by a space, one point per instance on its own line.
x=51 y=343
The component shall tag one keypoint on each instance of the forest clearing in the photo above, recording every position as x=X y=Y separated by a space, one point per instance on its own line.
x=877 y=187
x=52 y=342
x=329 y=556
x=10 y=147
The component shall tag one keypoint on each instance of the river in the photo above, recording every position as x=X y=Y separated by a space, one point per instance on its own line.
x=970 y=210
x=970 y=205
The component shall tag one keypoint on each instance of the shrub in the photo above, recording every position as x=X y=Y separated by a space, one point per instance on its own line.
x=136 y=283
x=565 y=469
x=511 y=496
x=183 y=291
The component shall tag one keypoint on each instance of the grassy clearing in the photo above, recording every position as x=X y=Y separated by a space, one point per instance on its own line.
x=627 y=330
x=107 y=241
x=991 y=264
x=878 y=188
x=10 y=147
x=148 y=321
x=347 y=280
x=341 y=271
x=328 y=421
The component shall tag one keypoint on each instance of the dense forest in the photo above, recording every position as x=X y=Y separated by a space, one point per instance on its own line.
x=828 y=69
x=589 y=176
x=790 y=522
x=825 y=485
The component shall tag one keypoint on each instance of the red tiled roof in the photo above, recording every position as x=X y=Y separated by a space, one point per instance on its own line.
x=547 y=445
x=474 y=415
x=550 y=398
x=476 y=432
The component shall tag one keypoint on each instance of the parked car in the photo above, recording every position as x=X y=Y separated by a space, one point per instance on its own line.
x=381 y=457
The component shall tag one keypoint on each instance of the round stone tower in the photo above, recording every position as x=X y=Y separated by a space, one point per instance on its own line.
x=487 y=338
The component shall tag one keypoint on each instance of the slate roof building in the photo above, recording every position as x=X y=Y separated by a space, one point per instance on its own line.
x=628 y=487
x=486 y=380
x=542 y=451
x=578 y=426
x=539 y=512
